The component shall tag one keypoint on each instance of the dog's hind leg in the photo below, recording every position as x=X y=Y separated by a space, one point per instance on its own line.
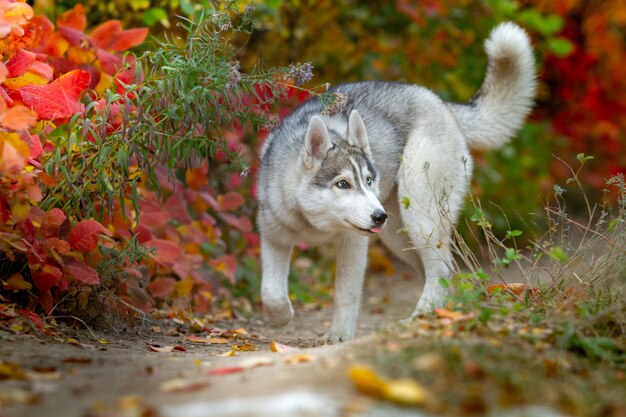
x=432 y=182
x=351 y=263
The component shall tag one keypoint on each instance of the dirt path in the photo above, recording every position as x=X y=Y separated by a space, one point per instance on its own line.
x=124 y=378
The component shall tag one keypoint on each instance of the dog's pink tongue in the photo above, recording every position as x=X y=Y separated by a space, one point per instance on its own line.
x=375 y=229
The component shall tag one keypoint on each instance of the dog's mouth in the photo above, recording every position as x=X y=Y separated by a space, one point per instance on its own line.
x=372 y=230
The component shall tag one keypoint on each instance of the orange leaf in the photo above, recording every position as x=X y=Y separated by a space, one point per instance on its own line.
x=52 y=222
x=230 y=201
x=11 y=160
x=18 y=118
x=84 y=236
x=60 y=98
x=15 y=13
x=161 y=287
x=74 y=18
x=17 y=282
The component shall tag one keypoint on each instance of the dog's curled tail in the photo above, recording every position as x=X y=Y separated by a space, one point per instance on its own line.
x=495 y=113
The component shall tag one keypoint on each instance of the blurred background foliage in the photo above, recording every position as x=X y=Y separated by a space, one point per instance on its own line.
x=580 y=48
x=579 y=45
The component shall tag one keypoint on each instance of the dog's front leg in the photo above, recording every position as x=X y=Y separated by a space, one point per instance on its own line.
x=274 y=286
x=351 y=263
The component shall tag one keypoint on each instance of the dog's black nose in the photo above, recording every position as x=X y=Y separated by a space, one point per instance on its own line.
x=379 y=217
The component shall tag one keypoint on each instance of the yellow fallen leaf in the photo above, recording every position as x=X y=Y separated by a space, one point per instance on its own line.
x=404 y=391
x=72 y=341
x=299 y=358
x=366 y=380
x=401 y=391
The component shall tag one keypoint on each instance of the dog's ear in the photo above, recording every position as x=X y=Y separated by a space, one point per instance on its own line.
x=357 y=135
x=316 y=142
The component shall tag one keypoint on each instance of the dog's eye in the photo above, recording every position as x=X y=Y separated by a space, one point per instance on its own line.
x=369 y=181
x=343 y=184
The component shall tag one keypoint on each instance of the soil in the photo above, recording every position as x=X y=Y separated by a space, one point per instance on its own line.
x=75 y=375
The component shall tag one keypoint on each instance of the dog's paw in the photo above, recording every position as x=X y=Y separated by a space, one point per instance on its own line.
x=279 y=314
x=331 y=338
x=334 y=337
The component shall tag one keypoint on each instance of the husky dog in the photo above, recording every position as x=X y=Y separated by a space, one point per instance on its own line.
x=396 y=156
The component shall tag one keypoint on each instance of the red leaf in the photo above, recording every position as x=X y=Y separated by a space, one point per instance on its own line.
x=52 y=222
x=34 y=318
x=47 y=278
x=126 y=39
x=243 y=223
x=83 y=273
x=84 y=236
x=161 y=287
x=20 y=63
x=59 y=99
x=46 y=300
x=166 y=251
x=74 y=18
x=230 y=201
x=62 y=247
x=225 y=370
x=101 y=36
x=73 y=36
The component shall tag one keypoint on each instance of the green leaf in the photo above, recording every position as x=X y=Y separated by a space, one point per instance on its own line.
x=444 y=283
x=560 y=47
x=558 y=253
x=406 y=202
x=154 y=15
x=513 y=233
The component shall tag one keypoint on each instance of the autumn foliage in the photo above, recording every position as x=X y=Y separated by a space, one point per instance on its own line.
x=45 y=73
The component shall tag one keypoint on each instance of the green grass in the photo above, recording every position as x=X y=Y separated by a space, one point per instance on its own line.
x=558 y=341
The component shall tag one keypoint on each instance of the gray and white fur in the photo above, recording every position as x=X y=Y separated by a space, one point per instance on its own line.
x=396 y=156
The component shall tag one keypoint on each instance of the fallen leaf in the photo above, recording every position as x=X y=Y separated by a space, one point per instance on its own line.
x=73 y=341
x=166 y=349
x=452 y=316
x=243 y=347
x=401 y=391
x=183 y=385
x=280 y=348
x=10 y=370
x=299 y=358
x=404 y=391
x=366 y=380
x=225 y=370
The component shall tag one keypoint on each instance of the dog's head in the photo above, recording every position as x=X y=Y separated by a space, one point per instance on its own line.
x=342 y=183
